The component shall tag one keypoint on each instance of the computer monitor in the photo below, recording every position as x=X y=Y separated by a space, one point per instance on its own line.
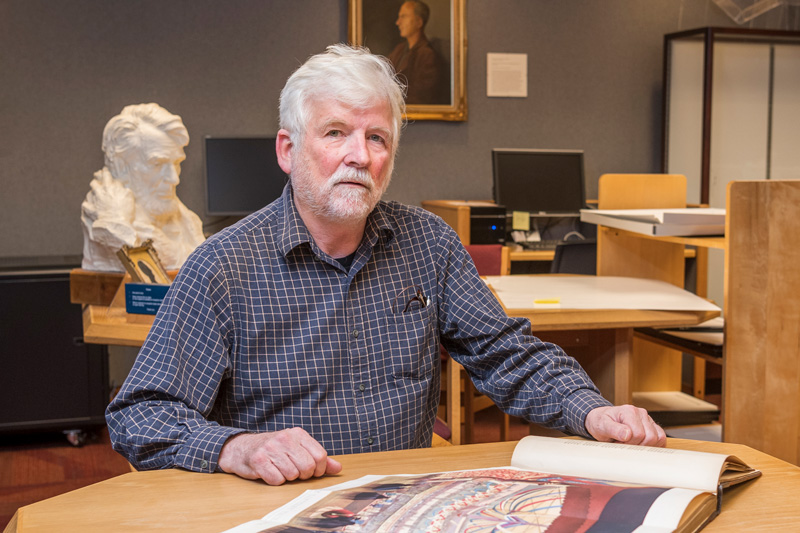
x=241 y=174
x=538 y=181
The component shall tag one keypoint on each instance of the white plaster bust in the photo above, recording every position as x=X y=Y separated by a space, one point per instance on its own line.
x=133 y=197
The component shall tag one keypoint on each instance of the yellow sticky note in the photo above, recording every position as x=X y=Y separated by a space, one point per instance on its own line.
x=520 y=221
x=547 y=303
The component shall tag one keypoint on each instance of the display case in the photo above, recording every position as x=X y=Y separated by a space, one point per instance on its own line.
x=731 y=108
x=731 y=112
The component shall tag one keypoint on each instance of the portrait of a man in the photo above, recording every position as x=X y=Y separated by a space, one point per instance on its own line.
x=416 y=37
x=415 y=60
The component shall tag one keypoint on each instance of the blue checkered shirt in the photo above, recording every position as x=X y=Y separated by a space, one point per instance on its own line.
x=263 y=331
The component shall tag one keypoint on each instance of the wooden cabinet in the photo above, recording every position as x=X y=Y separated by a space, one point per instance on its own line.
x=761 y=371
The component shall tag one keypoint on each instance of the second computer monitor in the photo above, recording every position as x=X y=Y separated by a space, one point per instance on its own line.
x=242 y=175
x=538 y=181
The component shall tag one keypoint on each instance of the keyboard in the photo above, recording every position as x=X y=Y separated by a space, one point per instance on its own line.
x=547 y=244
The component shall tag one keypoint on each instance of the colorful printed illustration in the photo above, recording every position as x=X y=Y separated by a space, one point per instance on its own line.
x=478 y=501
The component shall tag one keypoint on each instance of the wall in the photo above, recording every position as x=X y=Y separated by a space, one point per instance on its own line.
x=67 y=67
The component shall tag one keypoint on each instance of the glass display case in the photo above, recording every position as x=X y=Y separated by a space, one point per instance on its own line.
x=731 y=108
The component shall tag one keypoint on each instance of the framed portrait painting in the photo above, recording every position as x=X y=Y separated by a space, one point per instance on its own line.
x=426 y=42
x=143 y=264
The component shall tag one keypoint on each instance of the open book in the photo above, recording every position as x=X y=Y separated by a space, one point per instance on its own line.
x=553 y=485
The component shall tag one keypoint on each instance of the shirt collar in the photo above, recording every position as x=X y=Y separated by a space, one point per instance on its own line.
x=292 y=231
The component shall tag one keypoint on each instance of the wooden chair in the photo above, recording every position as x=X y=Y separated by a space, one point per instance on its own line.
x=490 y=260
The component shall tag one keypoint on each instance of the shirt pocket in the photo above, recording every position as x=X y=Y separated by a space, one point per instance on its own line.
x=412 y=343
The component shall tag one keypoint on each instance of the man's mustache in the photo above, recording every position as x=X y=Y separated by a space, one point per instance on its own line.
x=353 y=175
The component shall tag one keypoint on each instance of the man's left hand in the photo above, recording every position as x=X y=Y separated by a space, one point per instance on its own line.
x=626 y=424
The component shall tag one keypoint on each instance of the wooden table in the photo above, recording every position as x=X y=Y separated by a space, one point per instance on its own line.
x=600 y=339
x=176 y=500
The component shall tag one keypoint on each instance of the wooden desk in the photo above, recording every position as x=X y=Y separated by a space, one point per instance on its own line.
x=531 y=255
x=601 y=339
x=170 y=500
x=547 y=255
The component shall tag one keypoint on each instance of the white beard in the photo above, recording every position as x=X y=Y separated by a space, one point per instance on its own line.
x=334 y=201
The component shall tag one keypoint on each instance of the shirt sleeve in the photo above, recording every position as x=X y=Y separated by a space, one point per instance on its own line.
x=159 y=418
x=523 y=375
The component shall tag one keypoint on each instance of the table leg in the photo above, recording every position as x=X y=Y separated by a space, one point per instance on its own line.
x=605 y=354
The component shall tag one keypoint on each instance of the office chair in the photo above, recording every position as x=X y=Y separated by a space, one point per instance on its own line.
x=490 y=260
x=575 y=257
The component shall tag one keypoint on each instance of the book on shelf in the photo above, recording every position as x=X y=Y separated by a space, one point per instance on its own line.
x=683 y=222
x=552 y=484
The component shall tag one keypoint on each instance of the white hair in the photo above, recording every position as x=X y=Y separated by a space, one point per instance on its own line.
x=347 y=74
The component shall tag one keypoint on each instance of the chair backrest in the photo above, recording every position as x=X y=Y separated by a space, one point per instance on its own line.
x=664 y=261
x=641 y=191
x=490 y=259
x=575 y=257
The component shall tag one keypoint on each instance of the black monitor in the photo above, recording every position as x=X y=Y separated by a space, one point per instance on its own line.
x=242 y=175
x=538 y=181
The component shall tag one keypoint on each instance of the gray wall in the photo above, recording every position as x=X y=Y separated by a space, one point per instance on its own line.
x=68 y=66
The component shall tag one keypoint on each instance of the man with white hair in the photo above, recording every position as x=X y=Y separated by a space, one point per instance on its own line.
x=313 y=326
x=133 y=197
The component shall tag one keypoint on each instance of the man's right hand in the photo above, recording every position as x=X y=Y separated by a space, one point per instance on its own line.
x=276 y=457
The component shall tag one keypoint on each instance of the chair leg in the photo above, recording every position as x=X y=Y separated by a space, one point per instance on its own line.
x=469 y=410
x=504 y=427
x=453 y=377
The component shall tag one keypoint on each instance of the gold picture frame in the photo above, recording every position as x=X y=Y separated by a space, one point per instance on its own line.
x=371 y=23
x=142 y=263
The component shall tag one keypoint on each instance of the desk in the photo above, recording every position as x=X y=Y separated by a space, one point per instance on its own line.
x=600 y=339
x=170 y=500
x=547 y=255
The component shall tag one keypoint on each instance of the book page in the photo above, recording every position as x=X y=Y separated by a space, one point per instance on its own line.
x=662 y=467
x=490 y=499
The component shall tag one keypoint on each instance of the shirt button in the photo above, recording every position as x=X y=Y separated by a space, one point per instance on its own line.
x=203 y=464
x=361 y=387
x=370 y=440
x=355 y=333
